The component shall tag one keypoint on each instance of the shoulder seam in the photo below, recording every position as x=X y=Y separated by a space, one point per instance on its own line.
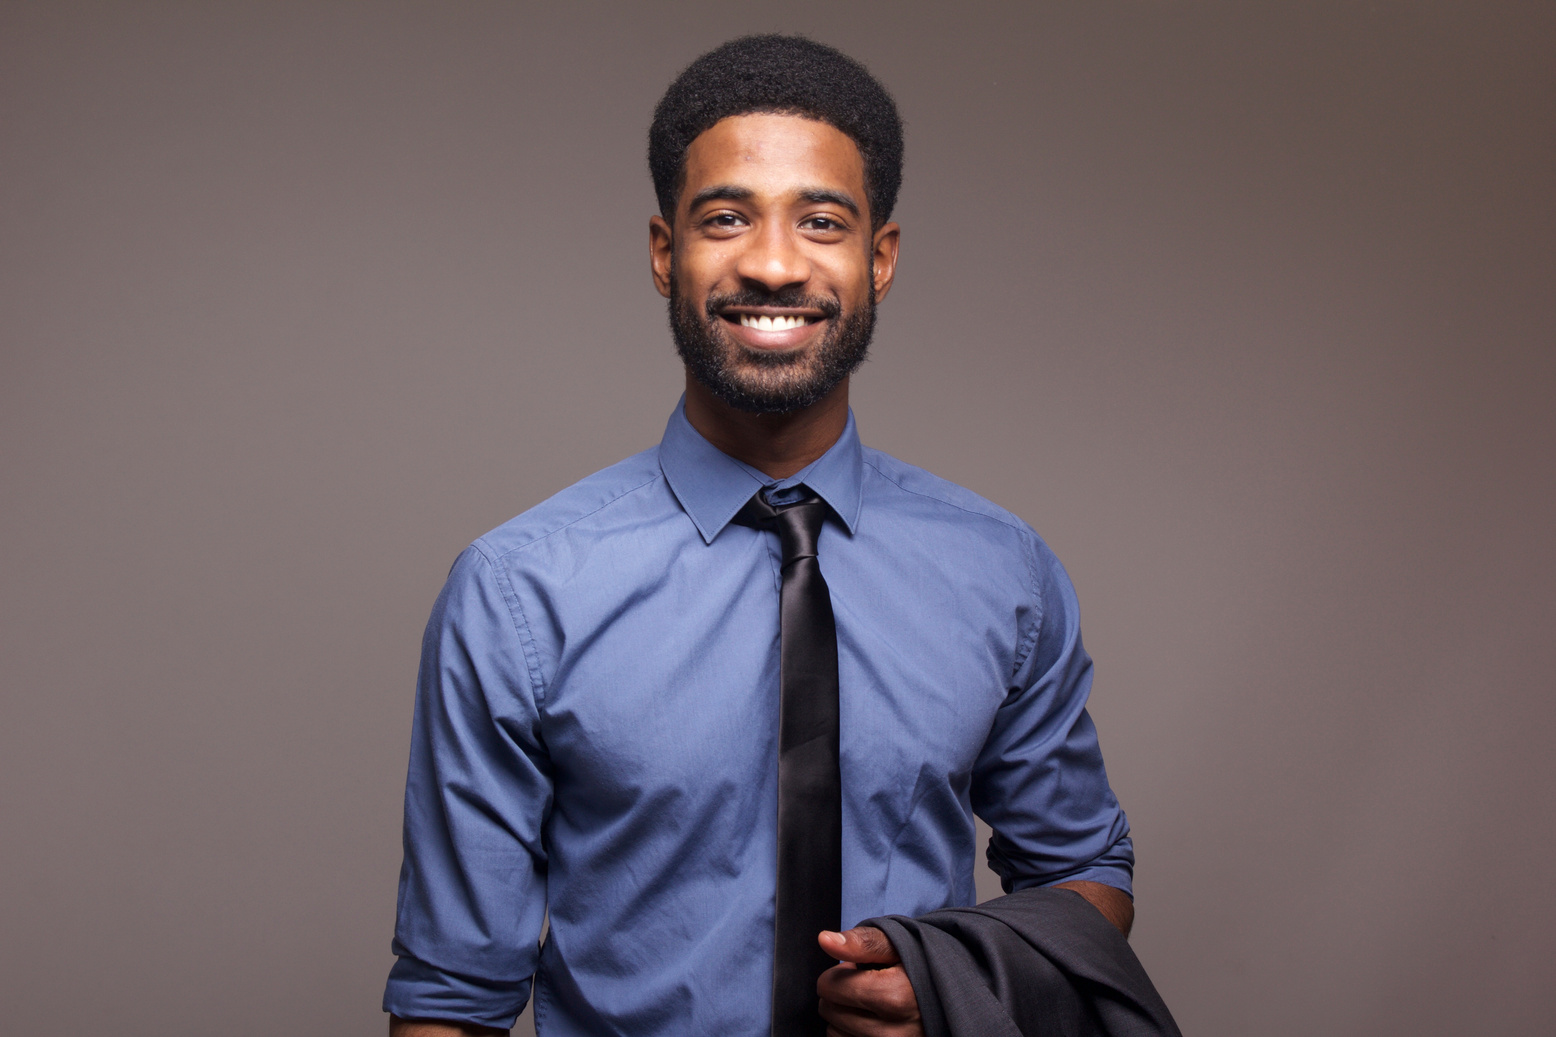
x=496 y=562
x=519 y=620
x=1023 y=533
x=1029 y=642
x=575 y=519
x=1011 y=522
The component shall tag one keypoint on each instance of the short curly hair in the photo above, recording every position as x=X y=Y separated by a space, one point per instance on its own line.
x=787 y=75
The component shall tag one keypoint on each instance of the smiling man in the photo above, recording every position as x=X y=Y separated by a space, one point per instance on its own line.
x=774 y=273
x=722 y=700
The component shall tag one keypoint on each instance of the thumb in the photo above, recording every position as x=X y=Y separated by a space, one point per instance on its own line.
x=865 y=945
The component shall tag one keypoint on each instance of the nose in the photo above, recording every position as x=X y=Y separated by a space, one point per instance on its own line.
x=773 y=257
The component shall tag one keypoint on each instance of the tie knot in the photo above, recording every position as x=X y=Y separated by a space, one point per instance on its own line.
x=797 y=524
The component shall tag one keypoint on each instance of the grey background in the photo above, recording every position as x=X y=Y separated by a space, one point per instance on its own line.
x=1248 y=308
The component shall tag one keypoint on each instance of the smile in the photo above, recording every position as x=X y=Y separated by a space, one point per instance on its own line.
x=763 y=322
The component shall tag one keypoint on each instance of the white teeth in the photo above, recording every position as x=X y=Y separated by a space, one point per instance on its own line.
x=766 y=323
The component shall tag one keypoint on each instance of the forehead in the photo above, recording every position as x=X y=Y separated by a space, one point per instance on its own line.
x=774 y=156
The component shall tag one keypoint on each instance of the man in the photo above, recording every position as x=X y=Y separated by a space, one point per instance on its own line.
x=606 y=679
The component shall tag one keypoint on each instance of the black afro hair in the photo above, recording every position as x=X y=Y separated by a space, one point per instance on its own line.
x=788 y=75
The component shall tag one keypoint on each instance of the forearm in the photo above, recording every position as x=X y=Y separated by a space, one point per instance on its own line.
x=1116 y=905
x=433 y=1028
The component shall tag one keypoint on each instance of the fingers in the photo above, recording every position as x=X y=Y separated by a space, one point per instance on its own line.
x=843 y=1021
x=866 y=1002
x=885 y=994
x=865 y=945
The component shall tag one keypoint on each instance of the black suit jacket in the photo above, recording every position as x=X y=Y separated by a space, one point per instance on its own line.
x=1038 y=963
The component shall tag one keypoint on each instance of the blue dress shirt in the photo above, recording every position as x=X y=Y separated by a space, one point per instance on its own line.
x=596 y=733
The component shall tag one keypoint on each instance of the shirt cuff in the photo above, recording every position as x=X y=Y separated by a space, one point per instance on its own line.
x=417 y=990
x=1115 y=867
x=1116 y=875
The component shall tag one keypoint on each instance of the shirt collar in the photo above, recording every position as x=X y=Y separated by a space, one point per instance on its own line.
x=712 y=486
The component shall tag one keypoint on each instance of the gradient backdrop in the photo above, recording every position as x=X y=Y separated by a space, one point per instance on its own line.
x=1249 y=308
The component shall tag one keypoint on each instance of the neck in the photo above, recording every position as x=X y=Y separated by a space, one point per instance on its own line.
x=778 y=445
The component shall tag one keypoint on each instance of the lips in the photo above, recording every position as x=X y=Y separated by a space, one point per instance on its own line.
x=773 y=321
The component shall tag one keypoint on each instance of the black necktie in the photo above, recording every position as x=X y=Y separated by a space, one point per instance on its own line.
x=810 y=806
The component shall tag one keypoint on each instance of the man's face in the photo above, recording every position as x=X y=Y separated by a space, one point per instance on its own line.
x=771 y=269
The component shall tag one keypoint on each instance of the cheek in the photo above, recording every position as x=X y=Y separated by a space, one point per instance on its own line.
x=855 y=281
x=705 y=263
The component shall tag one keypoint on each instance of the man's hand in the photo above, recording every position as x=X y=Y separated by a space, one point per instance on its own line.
x=866 y=1002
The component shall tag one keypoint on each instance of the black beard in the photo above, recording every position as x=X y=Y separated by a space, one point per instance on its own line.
x=762 y=382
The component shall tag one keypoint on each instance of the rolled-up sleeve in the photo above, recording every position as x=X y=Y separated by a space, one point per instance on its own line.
x=472 y=885
x=1040 y=782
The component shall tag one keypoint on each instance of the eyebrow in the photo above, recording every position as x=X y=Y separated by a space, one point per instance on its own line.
x=721 y=193
x=822 y=195
x=731 y=193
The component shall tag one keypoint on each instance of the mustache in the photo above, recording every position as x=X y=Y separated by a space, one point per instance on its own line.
x=790 y=297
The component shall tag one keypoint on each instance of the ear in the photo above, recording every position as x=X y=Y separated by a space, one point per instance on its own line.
x=661 y=249
x=883 y=251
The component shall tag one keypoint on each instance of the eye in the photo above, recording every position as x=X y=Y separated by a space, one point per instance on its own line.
x=825 y=224
x=724 y=220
